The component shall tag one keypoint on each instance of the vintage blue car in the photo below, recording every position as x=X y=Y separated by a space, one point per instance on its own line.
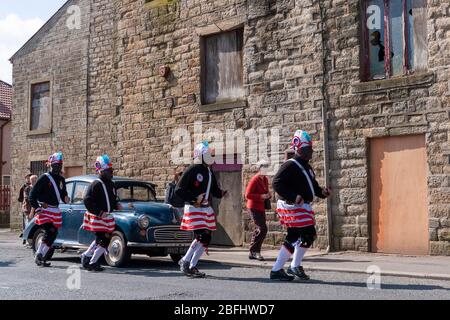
x=144 y=226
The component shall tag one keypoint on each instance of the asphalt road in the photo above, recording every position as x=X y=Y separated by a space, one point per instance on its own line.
x=147 y=278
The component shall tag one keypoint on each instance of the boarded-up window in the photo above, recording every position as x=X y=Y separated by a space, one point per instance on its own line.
x=394 y=38
x=70 y=172
x=40 y=106
x=222 y=79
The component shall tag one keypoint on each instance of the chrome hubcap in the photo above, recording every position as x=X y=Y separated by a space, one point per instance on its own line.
x=115 y=249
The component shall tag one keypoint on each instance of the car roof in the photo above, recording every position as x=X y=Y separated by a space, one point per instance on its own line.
x=91 y=178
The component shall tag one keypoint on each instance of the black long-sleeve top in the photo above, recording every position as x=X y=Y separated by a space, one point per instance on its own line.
x=194 y=182
x=95 y=200
x=44 y=192
x=290 y=181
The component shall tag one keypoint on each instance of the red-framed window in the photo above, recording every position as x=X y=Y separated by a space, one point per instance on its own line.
x=394 y=39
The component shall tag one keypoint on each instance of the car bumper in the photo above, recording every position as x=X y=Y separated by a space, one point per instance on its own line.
x=157 y=245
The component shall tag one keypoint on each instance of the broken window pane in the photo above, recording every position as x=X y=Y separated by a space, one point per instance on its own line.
x=222 y=69
x=40 y=106
x=407 y=21
x=396 y=34
x=375 y=26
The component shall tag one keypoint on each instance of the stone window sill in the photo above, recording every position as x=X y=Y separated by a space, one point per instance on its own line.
x=39 y=132
x=156 y=3
x=223 y=106
x=414 y=80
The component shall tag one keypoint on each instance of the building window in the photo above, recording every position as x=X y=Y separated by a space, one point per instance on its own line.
x=394 y=38
x=222 y=67
x=40 y=117
x=38 y=167
x=6 y=181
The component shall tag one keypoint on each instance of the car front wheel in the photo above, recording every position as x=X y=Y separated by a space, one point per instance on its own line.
x=118 y=253
x=36 y=242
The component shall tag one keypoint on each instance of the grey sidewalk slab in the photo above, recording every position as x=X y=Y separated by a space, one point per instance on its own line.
x=432 y=267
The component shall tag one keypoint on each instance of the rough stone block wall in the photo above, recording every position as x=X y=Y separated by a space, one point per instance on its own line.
x=298 y=57
x=357 y=117
x=58 y=54
x=139 y=109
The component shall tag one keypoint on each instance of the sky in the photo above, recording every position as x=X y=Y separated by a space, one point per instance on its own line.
x=19 y=20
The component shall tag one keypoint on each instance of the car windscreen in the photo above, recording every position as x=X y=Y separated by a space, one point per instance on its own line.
x=135 y=192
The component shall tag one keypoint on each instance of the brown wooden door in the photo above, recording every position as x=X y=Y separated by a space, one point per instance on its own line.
x=399 y=202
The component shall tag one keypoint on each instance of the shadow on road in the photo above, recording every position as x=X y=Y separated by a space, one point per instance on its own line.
x=390 y=286
x=334 y=260
x=6 y=263
x=138 y=266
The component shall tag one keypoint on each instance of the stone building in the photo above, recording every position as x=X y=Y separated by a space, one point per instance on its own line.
x=120 y=76
x=6 y=93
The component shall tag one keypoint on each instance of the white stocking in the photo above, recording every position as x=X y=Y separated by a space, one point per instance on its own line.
x=97 y=254
x=282 y=258
x=299 y=253
x=197 y=254
x=194 y=246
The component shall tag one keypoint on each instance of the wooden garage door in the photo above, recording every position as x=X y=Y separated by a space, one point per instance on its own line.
x=399 y=204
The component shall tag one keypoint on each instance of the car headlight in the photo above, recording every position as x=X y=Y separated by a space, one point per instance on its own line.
x=143 y=222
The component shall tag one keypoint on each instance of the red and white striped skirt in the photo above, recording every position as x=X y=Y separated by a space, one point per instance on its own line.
x=94 y=223
x=198 y=218
x=294 y=215
x=49 y=215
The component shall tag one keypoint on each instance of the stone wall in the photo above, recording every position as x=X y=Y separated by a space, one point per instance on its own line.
x=59 y=55
x=299 y=57
x=360 y=111
x=129 y=99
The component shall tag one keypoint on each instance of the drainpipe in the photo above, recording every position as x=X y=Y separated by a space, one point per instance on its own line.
x=325 y=130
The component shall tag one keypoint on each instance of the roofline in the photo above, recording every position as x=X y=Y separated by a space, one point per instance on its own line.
x=4 y=82
x=36 y=33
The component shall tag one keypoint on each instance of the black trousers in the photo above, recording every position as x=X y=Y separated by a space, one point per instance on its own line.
x=306 y=235
x=103 y=239
x=260 y=231
x=50 y=233
x=204 y=236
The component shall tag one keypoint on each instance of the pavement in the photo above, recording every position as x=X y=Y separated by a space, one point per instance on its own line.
x=428 y=267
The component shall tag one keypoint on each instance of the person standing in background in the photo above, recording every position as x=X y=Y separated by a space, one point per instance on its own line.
x=26 y=205
x=172 y=198
x=257 y=195
x=21 y=199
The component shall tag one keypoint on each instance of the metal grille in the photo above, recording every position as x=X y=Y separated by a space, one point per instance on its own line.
x=172 y=234
x=38 y=167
